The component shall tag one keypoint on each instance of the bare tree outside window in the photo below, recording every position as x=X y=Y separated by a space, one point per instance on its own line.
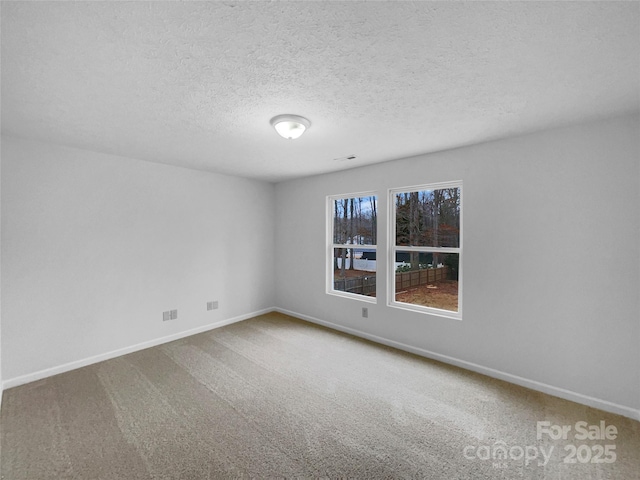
x=353 y=234
x=427 y=250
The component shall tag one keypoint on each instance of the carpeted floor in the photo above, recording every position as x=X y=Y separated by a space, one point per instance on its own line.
x=277 y=397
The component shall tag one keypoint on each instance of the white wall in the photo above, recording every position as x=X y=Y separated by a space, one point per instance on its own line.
x=95 y=247
x=551 y=260
x=1 y=389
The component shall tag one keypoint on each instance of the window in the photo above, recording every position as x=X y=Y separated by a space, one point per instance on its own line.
x=425 y=241
x=351 y=256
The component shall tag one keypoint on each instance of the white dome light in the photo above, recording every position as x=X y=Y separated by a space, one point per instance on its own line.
x=290 y=126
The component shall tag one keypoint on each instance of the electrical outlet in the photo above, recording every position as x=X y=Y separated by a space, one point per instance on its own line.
x=212 y=305
x=365 y=312
x=169 y=315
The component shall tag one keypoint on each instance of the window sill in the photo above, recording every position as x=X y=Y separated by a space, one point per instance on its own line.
x=426 y=310
x=353 y=296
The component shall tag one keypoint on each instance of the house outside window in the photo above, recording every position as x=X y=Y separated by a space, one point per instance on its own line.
x=352 y=241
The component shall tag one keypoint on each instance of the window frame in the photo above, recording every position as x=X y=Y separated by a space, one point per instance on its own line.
x=331 y=246
x=393 y=249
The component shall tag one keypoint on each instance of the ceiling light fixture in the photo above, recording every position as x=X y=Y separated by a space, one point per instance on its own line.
x=290 y=126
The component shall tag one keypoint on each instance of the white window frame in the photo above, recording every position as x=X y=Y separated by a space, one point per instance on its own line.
x=392 y=249
x=332 y=246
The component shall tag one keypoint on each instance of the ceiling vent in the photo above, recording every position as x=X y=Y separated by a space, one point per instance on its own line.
x=345 y=159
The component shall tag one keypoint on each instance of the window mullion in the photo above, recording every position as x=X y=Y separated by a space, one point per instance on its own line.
x=428 y=249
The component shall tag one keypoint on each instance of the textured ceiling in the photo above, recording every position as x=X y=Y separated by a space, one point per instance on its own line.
x=195 y=83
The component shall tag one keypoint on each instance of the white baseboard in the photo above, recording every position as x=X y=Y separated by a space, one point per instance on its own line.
x=508 y=377
x=32 y=377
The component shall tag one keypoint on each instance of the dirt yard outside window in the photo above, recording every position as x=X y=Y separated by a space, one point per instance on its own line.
x=442 y=295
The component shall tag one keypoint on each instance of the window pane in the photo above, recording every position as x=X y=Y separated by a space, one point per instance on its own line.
x=428 y=218
x=427 y=279
x=355 y=220
x=354 y=270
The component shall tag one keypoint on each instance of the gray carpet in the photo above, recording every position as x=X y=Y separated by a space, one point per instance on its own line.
x=277 y=397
